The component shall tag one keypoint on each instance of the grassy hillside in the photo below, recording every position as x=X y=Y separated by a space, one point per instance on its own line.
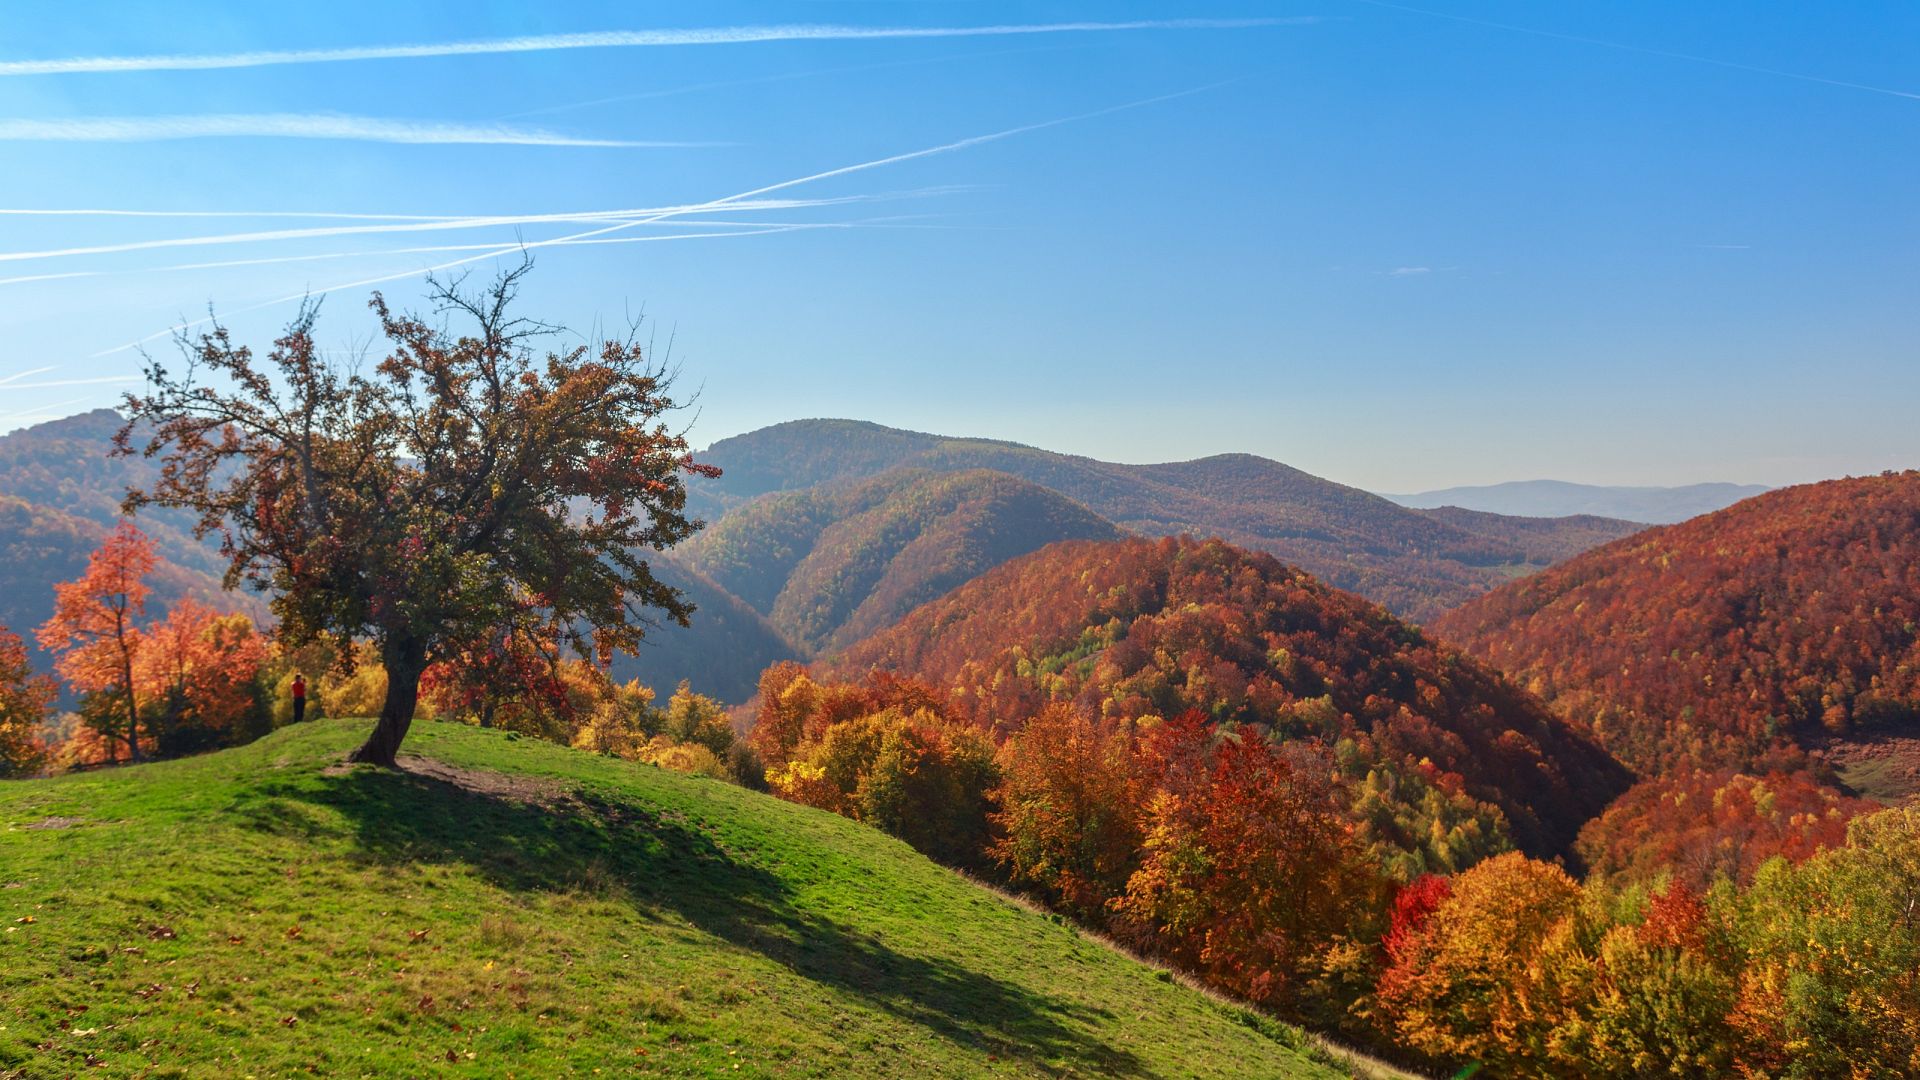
x=1415 y=564
x=506 y=907
x=831 y=565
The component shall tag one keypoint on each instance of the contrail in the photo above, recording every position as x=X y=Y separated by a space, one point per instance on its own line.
x=17 y=376
x=734 y=35
x=72 y=382
x=735 y=228
x=300 y=126
x=322 y=215
x=1643 y=50
x=429 y=225
x=728 y=202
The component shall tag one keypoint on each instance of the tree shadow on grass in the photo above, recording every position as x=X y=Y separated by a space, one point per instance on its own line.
x=572 y=840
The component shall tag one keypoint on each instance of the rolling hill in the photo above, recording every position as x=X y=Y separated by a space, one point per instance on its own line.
x=1558 y=498
x=506 y=907
x=1140 y=627
x=40 y=546
x=1416 y=564
x=1789 y=619
x=831 y=565
x=67 y=465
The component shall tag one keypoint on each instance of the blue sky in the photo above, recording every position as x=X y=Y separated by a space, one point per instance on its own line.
x=1400 y=247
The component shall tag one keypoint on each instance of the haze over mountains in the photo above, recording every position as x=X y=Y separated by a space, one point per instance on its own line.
x=1559 y=498
x=1417 y=564
x=822 y=532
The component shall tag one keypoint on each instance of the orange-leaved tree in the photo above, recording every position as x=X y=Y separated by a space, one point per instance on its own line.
x=462 y=484
x=24 y=698
x=93 y=633
x=196 y=670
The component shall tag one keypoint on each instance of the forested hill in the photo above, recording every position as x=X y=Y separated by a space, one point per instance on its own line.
x=40 y=546
x=830 y=565
x=68 y=465
x=1449 y=758
x=1791 y=616
x=1417 y=564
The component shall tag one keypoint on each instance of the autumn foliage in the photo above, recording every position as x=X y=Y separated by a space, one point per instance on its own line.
x=1722 y=641
x=24 y=700
x=1453 y=762
x=95 y=633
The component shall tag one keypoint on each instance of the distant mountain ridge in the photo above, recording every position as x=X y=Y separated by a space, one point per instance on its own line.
x=830 y=565
x=1560 y=498
x=1417 y=564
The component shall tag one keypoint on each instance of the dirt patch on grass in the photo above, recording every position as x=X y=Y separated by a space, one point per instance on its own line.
x=532 y=790
x=54 y=823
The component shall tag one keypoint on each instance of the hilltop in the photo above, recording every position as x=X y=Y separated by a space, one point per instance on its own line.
x=831 y=565
x=1416 y=564
x=1454 y=762
x=1788 y=620
x=507 y=907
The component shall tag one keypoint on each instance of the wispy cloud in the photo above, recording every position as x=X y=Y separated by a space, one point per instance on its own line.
x=1409 y=271
x=297 y=126
x=638 y=216
x=50 y=383
x=302 y=214
x=712 y=230
x=18 y=375
x=730 y=35
x=729 y=202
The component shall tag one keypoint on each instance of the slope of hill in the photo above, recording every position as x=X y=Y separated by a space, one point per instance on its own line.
x=722 y=653
x=1415 y=564
x=40 y=546
x=508 y=907
x=1558 y=498
x=1542 y=541
x=66 y=465
x=1137 y=627
x=1721 y=640
x=832 y=565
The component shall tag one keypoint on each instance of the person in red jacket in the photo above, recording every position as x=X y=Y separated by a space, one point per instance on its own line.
x=299 y=697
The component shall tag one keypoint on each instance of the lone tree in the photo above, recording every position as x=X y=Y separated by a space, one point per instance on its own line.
x=461 y=485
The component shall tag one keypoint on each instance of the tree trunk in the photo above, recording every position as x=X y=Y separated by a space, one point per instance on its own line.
x=405 y=659
x=126 y=673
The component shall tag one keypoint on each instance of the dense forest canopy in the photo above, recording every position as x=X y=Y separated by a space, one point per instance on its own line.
x=1159 y=627
x=1726 y=640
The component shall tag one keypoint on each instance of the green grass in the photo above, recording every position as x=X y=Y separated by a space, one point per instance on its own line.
x=534 y=911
